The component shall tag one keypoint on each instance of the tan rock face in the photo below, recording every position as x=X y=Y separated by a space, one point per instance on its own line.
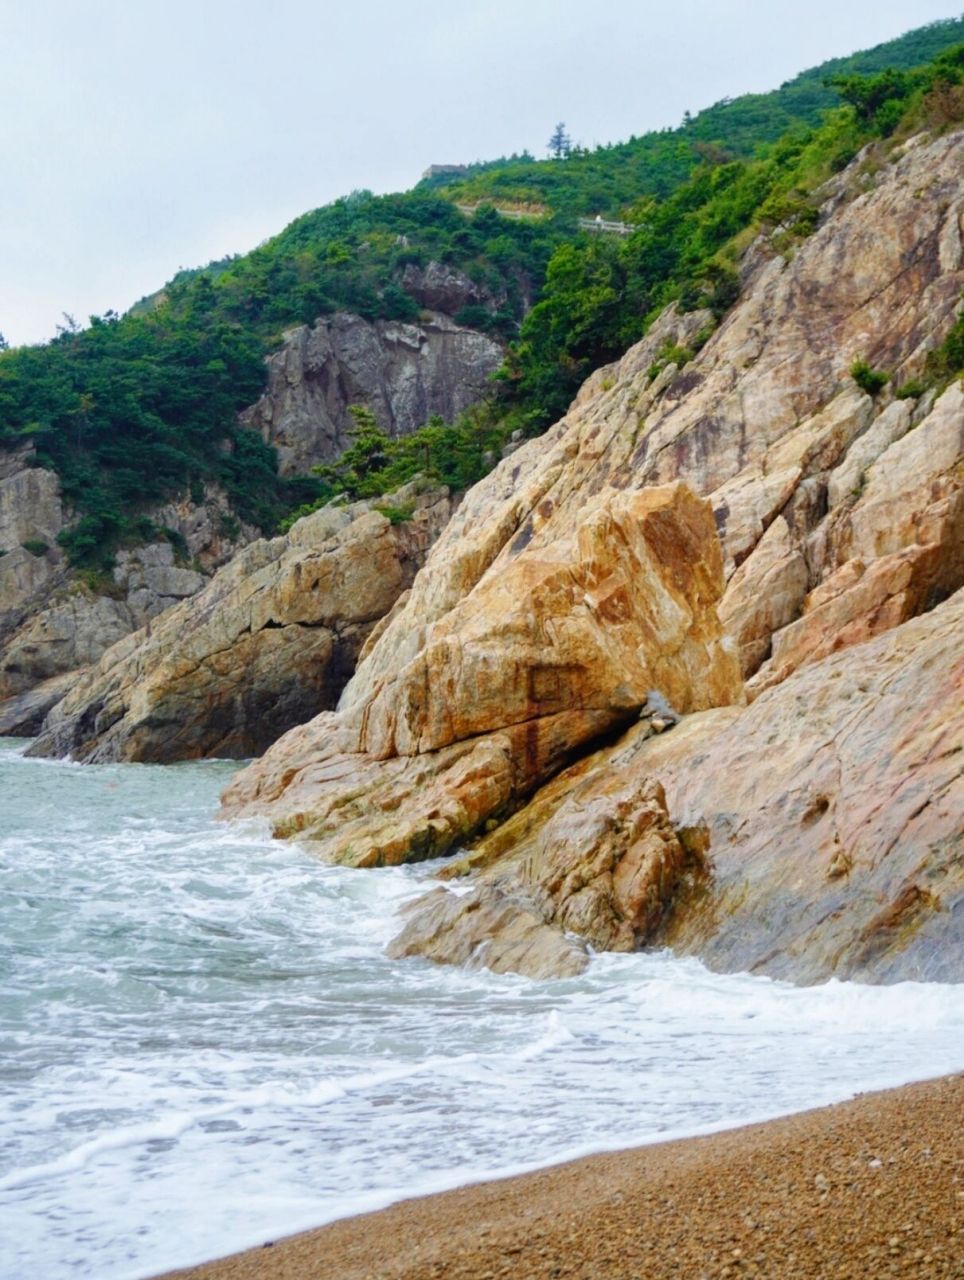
x=491 y=929
x=815 y=834
x=592 y=854
x=267 y=643
x=553 y=647
x=591 y=623
x=833 y=809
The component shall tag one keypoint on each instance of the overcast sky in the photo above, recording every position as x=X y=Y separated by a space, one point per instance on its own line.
x=139 y=136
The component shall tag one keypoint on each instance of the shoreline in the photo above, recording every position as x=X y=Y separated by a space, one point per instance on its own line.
x=872 y=1186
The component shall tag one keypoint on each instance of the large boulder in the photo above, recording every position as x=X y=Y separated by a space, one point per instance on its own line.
x=552 y=647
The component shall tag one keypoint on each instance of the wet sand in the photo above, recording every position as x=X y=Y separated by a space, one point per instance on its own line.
x=865 y=1189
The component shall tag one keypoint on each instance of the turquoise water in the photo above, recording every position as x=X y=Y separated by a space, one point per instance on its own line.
x=202 y=1044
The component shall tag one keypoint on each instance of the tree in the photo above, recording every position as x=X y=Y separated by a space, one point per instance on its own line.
x=560 y=144
x=867 y=94
x=4 y=345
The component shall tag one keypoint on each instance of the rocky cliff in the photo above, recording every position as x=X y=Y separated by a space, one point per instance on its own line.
x=403 y=372
x=815 y=833
x=266 y=644
x=51 y=622
x=578 y=588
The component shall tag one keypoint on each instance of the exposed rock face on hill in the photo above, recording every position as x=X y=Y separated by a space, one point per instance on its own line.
x=839 y=517
x=437 y=286
x=31 y=512
x=51 y=622
x=268 y=643
x=403 y=372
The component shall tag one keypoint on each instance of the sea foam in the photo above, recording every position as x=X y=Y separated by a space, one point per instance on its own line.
x=203 y=1045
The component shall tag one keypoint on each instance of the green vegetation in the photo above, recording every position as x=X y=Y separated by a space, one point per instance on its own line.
x=456 y=454
x=600 y=294
x=867 y=379
x=611 y=179
x=134 y=409
x=946 y=362
x=397 y=514
x=910 y=390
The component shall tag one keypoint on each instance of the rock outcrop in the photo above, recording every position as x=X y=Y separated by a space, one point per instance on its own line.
x=403 y=372
x=816 y=833
x=552 y=646
x=51 y=621
x=265 y=645
x=839 y=519
x=31 y=517
x=438 y=286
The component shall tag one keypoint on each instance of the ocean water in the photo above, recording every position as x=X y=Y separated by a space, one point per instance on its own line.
x=203 y=1046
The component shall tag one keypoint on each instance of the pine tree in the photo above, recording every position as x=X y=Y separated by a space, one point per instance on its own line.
x=560 y=144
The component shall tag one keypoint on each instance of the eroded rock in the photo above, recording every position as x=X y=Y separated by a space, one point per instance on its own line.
x=553 y=646
x=403 y=372
x=268 y=643
x=593 y=855
x=814 y=834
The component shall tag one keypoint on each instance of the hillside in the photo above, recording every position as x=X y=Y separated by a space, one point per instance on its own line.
x=609 y=179
x=134 y=410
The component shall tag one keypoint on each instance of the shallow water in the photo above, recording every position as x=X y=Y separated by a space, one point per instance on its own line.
x=202 y=1045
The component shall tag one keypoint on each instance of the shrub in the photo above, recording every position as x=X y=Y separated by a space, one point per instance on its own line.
x=910 y=390
x=669 y=353
x=35 y=546
x=868 y=379
x=397 y=514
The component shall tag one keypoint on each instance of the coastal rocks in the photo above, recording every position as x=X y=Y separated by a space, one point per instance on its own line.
x=552 y=646
x=71 y=631
x=22 y=715
x=832 y=809
x=758 y=421
x=51 y=621
x=593 y=855
x=403 y=372
x=268 y=643
x=814 y=834
x=487 y=928
x=31 y=517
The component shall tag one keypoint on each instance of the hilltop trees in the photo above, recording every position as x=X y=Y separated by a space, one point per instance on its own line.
x=560 y=144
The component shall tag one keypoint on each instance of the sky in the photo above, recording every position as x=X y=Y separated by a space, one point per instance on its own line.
x=141 y=136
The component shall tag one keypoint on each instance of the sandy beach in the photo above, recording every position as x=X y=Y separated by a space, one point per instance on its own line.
x=868 y=1188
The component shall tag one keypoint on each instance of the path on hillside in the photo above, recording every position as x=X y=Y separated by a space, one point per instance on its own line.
x=604 y=225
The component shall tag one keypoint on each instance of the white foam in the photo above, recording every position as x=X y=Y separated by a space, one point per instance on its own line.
x=206 y=1046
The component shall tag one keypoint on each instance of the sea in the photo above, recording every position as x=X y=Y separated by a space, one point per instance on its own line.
x=204 y=1047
